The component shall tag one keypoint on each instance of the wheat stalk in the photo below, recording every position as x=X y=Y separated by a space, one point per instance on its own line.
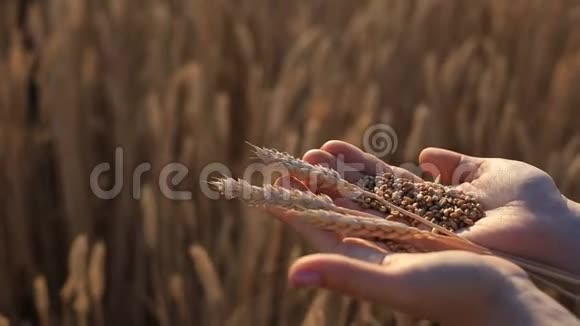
x=42 y=300
x=176 y=287
x=150 y=217
x=97 y=280
x=75 y=287
x=96 y=272
x=4 y=321
x=208 y=275
x=76 y=268
x=316 y=314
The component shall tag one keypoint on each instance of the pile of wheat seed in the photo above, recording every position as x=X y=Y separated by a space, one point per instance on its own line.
x=437 y=203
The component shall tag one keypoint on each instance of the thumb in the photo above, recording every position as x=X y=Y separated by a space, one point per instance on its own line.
x=452 y=167
x=436 y=286
x=355 y=278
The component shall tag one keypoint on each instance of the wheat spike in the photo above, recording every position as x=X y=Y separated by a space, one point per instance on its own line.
x=380 y=229
x=207 y=273
x=316 y=314
x=42 y=300
x=177 y=292
x=75 y=287
x=76 y=268
x=4 y=321
x=150 y=216
x=271 y=195
x=324 y=177
x=96 y=272
x=328 y=178
x=275 y=196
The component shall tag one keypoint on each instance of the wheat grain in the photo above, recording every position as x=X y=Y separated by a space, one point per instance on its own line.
x=444 y=206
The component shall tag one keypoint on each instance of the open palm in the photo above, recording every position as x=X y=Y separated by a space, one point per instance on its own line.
x=526 y=215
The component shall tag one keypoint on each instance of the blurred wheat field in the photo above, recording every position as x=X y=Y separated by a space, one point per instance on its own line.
x=189 y=81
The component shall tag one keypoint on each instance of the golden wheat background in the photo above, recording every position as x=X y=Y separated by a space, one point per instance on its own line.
x=189 y=81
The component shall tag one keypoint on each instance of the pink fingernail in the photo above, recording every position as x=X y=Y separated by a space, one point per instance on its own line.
x=306 y=278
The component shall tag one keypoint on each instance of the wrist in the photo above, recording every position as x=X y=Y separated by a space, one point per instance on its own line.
x=574 y=209
x=522 y=303
x=561 y=225
x=569 y=233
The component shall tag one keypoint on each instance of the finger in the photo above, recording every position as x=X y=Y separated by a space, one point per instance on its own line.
x=351 y=277
x=290 y=182
x=426 y=285
x=364 y=162
x=365 y=250
x=321 y=157
x=320 y=240
x=452 y=167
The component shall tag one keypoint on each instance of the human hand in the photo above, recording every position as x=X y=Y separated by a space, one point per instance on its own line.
x=525 y=213
x=453 y=288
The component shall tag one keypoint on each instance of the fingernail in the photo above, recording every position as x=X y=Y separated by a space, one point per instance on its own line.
x=306 y=279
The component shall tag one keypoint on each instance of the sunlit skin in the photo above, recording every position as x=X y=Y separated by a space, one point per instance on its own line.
x=526 y=215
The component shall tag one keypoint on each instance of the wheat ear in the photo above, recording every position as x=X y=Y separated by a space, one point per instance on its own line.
x=276 y=196
x=325 y=178
x=328 y=178
x=375 y=228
